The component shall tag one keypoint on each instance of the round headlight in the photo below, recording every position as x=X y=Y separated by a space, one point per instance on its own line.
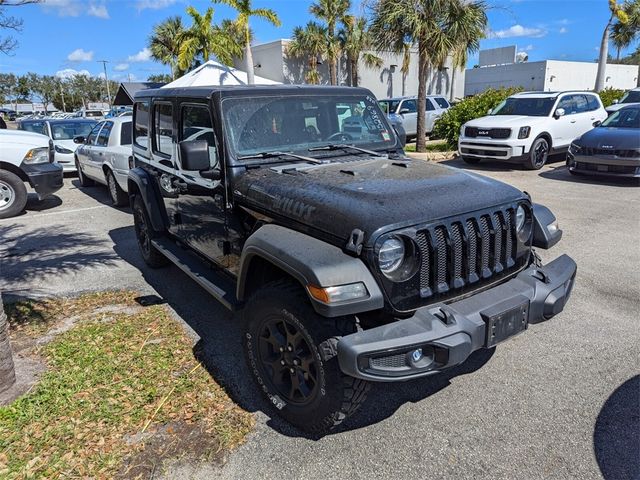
x=391 y=255
x=521 y=216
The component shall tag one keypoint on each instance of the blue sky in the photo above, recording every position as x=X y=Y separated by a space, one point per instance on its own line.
x=66 y=35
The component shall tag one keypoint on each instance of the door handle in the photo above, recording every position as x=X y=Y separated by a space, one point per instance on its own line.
x=573 y=121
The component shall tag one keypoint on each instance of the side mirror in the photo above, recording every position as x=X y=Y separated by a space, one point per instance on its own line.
x=489 y=111
x=404 y=110
x=597 y=123
x=212 y=174
x=194 y=155
x=615 y=101
x=559 y=113
x=79 y=139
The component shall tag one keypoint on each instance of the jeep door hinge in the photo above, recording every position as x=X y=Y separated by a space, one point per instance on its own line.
x=354 y=244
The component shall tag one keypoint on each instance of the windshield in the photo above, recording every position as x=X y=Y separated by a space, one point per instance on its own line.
x=36 y=127
x=297 y=123
x=632 y=96
x=68 y=130
x=624 y=118
x=531 y=107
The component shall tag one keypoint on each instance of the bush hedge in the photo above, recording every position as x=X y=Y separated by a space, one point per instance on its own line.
x=448 y=126
x=608 y=95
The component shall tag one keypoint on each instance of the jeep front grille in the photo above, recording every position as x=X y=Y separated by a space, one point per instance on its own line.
x=466 y=251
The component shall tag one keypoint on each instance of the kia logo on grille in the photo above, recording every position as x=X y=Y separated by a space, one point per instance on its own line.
x=607 y=146
x=483 y=132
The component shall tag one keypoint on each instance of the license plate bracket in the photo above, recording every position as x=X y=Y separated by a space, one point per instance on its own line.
x=505 y=320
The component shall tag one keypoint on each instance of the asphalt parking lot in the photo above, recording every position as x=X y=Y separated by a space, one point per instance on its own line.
x=560 y=401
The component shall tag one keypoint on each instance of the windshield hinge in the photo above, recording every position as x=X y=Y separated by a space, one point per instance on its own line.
x=354 y=244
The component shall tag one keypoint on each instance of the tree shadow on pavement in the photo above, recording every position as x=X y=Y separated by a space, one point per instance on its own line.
x=45 y=252
x=616 y=436
x=561 y=173
x=98 y=192
x=220 y=351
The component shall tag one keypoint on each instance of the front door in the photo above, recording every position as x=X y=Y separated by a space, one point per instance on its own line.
x=409 y=114
x=97 y=156
x=202 y=200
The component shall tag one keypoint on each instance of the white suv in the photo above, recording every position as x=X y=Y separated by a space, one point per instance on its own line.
x=404 y=110
x=528 y=127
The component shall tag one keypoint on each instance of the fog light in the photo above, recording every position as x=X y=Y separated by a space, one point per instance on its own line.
x=416 y=355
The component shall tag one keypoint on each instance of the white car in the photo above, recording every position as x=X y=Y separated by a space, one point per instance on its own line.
x=631 y=97
x=103 y=157
x=25 y=157
x=404 y=110
x=62 y=132
x=528 y=127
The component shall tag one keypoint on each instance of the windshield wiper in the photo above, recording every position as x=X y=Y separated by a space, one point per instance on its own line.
x=280 y=154
x=344 y=146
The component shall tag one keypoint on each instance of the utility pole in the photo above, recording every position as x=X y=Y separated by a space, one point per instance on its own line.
x=64 y=107
x=106 y=79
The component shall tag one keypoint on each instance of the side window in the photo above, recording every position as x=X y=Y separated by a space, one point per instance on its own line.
x=195 y=124
x=568 y=104
x=581 y=103
x=409 y=105
x=442 y=102
x=430 y=107
x=103 y=136
x=125 y=133
x=593 y=103
x=141 y=130
x=91 y=139
x=163 y=128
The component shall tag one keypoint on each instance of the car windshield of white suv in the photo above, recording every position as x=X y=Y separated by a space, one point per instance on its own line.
x=632 y=96
x=259 y=125
x=530 y=107
x=625 y=118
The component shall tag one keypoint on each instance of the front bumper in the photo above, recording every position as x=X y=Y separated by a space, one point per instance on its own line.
x=45 y=178
x=608 y=165
x=449 y=333
x=513 y=151
x=67 y=161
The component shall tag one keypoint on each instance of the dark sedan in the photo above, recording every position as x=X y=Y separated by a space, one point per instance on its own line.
x=612 y=148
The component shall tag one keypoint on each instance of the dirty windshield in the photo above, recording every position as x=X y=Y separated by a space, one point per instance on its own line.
x=298 y=123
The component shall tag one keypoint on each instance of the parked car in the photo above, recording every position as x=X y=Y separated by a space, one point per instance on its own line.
x=93 y=114
x=26 y=157
x=631 y=97
x=528 y=127
x=62 y=132
x=103 y=157
x=404 y=110
x=348 y=262
x=612 y=148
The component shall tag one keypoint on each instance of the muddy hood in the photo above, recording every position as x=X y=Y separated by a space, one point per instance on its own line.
x=372 y=195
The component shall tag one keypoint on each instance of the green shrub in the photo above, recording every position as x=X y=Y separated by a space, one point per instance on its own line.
x=448 y=126
x=608 y=95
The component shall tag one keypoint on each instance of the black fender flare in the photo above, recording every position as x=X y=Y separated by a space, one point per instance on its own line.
x=141 y=183
x=310 y=261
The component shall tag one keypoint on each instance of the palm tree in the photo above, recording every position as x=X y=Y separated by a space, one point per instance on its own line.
x=355 y=40
x=435 y=27
x=245 y=12
x=165 y=41
x=7 y=370
x=309 y=42
x=332 y=12
x=204 y=39
x=406 y=64
x=616 y=13
x=624 y=34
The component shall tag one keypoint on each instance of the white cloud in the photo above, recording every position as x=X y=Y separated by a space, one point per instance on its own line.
x=70 y=73
x=518 y=31
x=142 y=56
x=563 y=30
x=75 y=8
x=528 y=48
x=121 y=67
x=79 y=55
x=154 y=4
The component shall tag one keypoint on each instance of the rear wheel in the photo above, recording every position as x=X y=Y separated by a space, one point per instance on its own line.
x=538 y=154
x=13 y=194
x=471 y=160
x=84 y=181
x=283 y=341
x=144 y=235
x=118 y=196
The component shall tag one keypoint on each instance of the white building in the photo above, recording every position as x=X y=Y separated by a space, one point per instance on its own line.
x=546 y=75
x=271 y=61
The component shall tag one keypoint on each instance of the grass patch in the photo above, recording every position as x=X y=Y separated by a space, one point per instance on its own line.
x=431 y=147
x=122 y=371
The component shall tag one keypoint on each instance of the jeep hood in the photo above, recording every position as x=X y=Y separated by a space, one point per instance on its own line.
x=506 y=121
x=373 y=195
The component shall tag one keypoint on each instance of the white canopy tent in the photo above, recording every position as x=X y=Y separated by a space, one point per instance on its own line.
x=213 y=73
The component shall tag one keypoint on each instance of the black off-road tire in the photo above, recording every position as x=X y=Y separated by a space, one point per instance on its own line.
x=538 y=155
x=119 y=197
x=334 y=395
x=471 y=160
x=84 y=181
x=13 y=194
x=145 y=233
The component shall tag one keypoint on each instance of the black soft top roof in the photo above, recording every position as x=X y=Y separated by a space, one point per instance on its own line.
x=247 y=90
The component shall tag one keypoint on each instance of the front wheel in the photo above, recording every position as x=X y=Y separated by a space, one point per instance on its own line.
x=13 y=194
x=84 y=180
x=283 y=340
x=538 y=154
x=119 y=197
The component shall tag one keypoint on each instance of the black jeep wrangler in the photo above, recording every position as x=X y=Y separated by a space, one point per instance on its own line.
x=348 y=262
